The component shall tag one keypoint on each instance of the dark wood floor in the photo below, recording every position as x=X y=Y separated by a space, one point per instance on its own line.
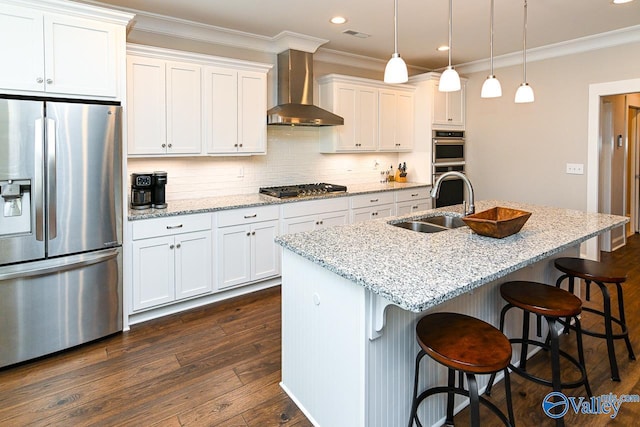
x=220 y=366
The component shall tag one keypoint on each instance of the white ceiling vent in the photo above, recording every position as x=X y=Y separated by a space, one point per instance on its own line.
x=355 y=33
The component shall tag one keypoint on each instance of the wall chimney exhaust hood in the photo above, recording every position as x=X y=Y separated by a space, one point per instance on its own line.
x=295 y=94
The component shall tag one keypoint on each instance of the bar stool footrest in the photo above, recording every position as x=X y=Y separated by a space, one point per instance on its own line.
x=620 y=335
x=461 y=391
x=543 y=381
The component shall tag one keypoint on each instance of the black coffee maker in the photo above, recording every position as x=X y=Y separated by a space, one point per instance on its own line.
x=141 y=185
x=158 y=195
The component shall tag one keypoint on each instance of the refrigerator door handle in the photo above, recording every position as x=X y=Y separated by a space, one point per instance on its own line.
x=57 y=265
x=38 y=185
x=51 y=178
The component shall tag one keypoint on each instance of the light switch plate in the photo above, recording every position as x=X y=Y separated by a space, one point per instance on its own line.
x=575 y=168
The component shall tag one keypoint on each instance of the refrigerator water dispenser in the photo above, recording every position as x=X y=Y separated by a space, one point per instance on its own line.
x=15 y=196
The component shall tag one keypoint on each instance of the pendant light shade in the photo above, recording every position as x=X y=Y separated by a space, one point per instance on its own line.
x=449 y=80
x=396 y=69
x=524 y=93
x=491 y=87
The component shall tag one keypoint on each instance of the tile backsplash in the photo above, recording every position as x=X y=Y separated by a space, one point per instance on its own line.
x=292 y=158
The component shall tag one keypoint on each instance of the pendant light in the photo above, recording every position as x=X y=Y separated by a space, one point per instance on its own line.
x=491 y=87
x=449 y=80
x=524 y=93
x=396 y=69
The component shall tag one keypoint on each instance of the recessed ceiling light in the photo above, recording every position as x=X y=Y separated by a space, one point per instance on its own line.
x=621 y=1
x=338 y=20
x=443 y=48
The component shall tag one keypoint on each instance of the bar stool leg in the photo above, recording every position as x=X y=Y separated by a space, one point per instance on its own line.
x=507 y=390
x=581 y=355
x=414 y=403
x=555 y=361
x=524 y=347
x=474 y=400
x=451 y=397
x=624 y=322
x=608 y=327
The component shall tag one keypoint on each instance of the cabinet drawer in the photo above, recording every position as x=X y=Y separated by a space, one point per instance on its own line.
x=372 y=199
x=412 y=194
x=247 y=215
x=158 y=227
x=314 y=207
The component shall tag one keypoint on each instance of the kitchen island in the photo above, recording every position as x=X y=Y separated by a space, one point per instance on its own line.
x=351 y=296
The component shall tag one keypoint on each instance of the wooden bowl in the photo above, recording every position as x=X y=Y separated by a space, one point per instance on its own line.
x=497 y=222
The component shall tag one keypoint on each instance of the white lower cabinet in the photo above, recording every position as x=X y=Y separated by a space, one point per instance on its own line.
x=412 y=200
x=314 y=215
x=372 y=206
x=245 y=247
x=174 y=265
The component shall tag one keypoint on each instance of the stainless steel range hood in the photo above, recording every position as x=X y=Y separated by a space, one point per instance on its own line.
x=295 y=94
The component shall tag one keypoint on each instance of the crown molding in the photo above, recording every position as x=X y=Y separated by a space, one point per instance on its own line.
x=358 y=61
x=570 y=47
x=93 y=10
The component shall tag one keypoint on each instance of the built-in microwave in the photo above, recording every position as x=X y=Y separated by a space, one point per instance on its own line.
x=448 y=146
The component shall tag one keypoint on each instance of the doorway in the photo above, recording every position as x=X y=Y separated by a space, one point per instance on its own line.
x=596 y=92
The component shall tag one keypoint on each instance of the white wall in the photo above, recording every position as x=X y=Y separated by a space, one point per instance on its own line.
x=292 y=158
x=519 y=151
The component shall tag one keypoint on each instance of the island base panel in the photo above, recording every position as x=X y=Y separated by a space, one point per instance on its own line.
x=339 y=377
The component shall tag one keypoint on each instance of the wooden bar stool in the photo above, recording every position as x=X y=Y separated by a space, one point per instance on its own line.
x=600 y=274
x=469 y=346
x=553 y=304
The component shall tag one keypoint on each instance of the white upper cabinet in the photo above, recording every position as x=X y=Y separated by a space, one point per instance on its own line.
x=187 y=104
x=59 y=53
x=235 y=111
x=358 y=106
x=164 y=107
x=396 y=119
x=376 y=116
x=449 y=108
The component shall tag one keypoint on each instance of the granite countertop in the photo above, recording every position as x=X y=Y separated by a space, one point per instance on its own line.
x=211 y=204
x=417 y=271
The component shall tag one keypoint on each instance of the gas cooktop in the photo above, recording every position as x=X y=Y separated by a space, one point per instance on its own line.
x=302 y=190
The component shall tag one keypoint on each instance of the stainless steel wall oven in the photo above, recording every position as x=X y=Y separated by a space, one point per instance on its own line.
x=448 y=155
x=448 y=146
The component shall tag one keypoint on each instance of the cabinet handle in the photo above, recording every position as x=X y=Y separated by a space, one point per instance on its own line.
x=240 y=145
x=171 y=246
x=250 y=216
x=248 y=233
x=415 y=207
x=317 y=222
x=450 y=119
x=171 y=227
x=39 y=80
x=178 y=246
x=253 y=233
x=321 y=222
x=373 y=200
x=235 y=145
x=164 y=145
x=374 y=213
x=49 y=81
x=415 y=195
x=170 y=145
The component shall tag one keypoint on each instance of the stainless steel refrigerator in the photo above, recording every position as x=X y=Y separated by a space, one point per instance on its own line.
x=60 y=226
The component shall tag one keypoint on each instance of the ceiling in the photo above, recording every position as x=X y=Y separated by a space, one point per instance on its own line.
x=422 y=24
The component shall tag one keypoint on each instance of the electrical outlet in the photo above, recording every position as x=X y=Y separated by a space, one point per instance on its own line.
x=241 y=172
x=575 y=168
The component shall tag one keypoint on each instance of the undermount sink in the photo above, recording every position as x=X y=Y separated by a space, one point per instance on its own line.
x=432 y=224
